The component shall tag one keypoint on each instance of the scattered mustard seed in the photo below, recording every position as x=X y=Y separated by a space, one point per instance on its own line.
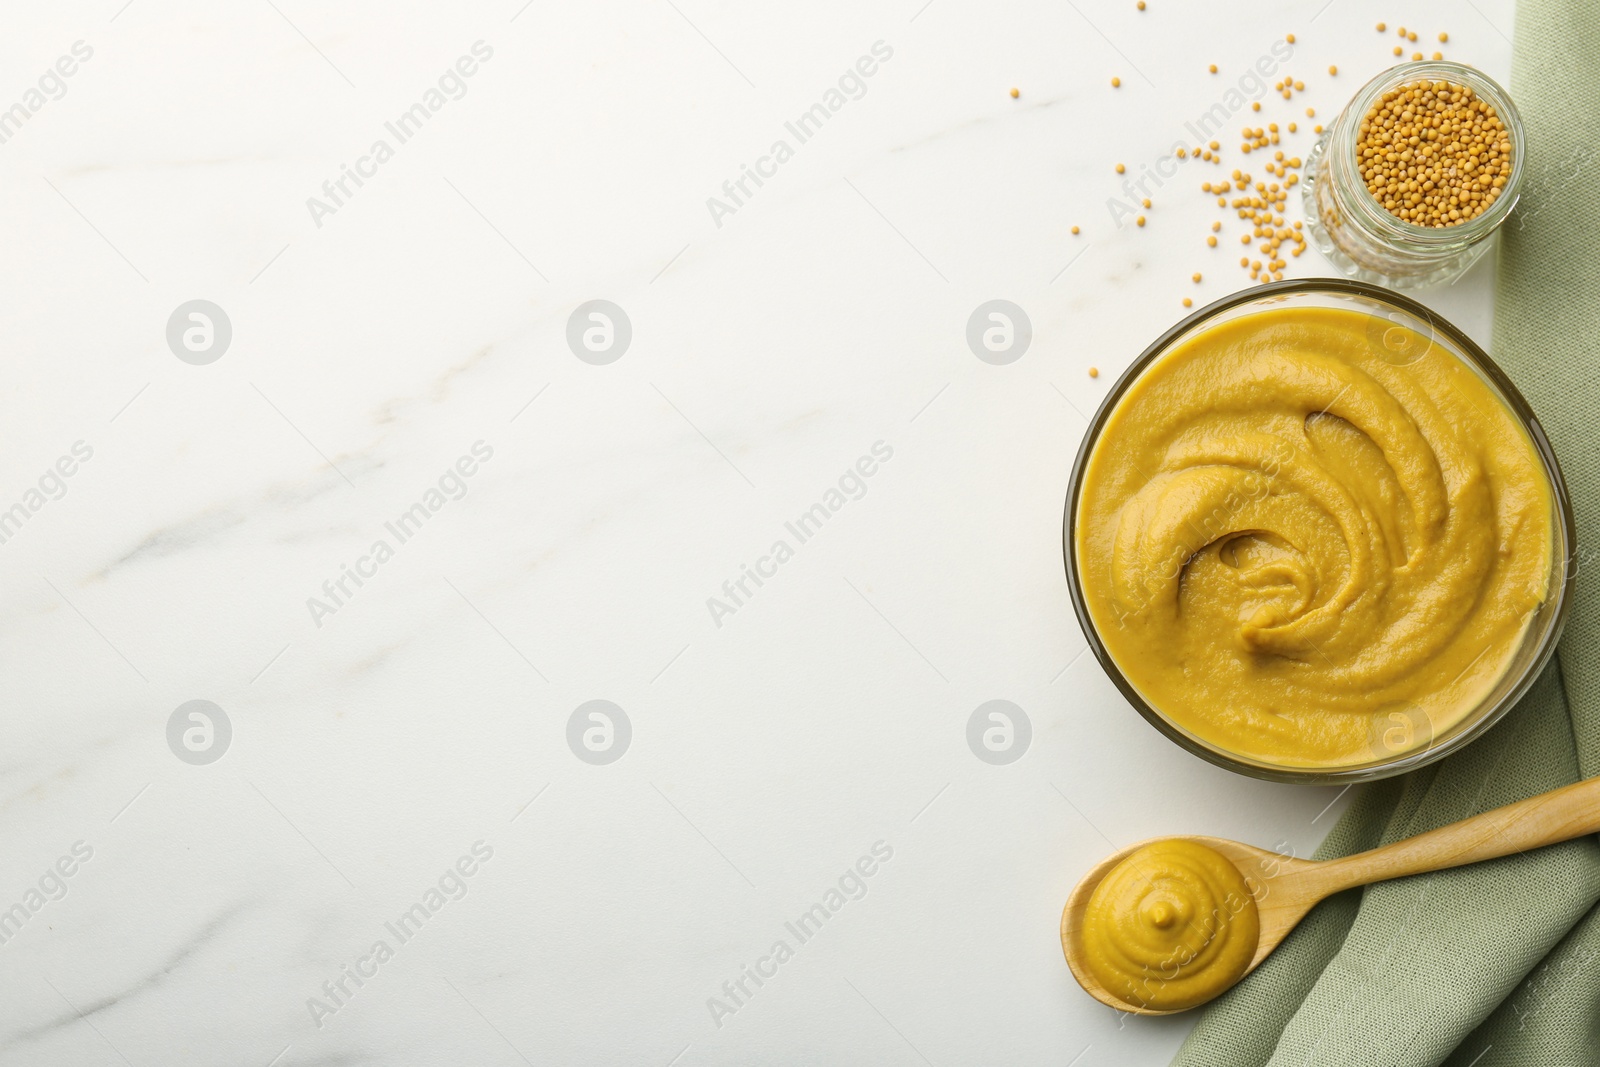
x=1255 y=106
x=1412 y=36
x=1015 y=93
x=1121 y=169
x=1145 y=202
x=1381 y=27
x=1116 y=83
x=1094 y=372
x=1399 y=51
x=1188 y=303
x=1415 y=56
x=1213 y=68
x=1438 y=56
x=1197 y=277
x=1333 y=70
x=1443 y=37
x=1140 y=220
x=1074 y=231
x=1289 y=38
x=1311 y=112
x=1211 y=242
x=1140 y=5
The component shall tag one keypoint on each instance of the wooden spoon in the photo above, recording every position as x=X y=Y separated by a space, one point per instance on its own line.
x=1285 y=888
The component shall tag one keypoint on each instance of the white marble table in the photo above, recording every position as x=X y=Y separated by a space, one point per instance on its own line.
x=397 y=371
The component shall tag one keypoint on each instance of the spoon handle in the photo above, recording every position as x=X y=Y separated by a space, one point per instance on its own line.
x=1559 y=815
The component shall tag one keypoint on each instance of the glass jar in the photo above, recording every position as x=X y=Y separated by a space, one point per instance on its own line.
x=1365 y=240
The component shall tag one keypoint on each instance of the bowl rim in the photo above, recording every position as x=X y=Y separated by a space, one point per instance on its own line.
x=1514 y=399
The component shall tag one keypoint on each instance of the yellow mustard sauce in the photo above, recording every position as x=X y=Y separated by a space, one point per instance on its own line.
x=1310 y=540
x=1171 y=926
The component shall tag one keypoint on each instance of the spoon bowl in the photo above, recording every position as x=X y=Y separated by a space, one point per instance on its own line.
x=1272 y=879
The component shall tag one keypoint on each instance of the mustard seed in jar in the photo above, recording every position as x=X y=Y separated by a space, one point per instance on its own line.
x=1434 y=153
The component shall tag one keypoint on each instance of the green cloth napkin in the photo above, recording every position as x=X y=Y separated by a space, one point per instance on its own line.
x=1498 y=963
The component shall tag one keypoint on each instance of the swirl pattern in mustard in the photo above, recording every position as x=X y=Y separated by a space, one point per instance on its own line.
x=1313 y=538
x=1171 y=926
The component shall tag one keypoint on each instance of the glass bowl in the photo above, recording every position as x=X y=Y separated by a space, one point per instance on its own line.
x=1544 y=628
